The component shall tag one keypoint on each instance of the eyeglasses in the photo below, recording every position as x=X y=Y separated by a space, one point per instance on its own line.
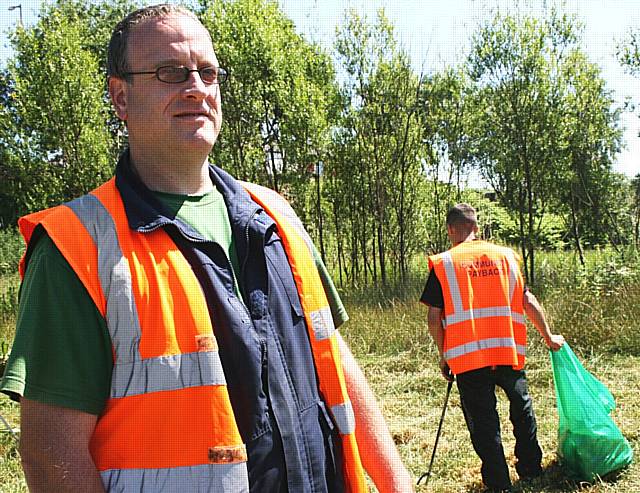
x=178 y=75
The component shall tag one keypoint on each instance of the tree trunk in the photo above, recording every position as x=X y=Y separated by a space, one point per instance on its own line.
x=530 y=219
x=274 y=172
x=574 y=227
x=381 y=249
x=338 y=233
x=355 y=266
x=523 y=238
x=637 y=228
x=319 y=206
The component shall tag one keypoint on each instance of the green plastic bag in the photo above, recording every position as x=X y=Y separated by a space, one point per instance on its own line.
x=589 y=442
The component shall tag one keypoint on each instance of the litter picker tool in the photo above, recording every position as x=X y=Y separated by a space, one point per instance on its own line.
x=435 y=445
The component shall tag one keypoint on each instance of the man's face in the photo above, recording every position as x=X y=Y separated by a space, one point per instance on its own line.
x=162 y=117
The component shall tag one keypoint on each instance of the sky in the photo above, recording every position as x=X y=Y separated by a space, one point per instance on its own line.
x=436 y=33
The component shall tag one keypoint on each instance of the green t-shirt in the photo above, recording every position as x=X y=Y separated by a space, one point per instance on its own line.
x=207 y=214
x=61 y=353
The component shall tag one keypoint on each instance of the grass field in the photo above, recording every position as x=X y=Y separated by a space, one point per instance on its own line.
x=411 y=391
x=596 y=312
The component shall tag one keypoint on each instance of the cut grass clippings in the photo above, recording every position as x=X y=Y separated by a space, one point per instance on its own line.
x=411 y=393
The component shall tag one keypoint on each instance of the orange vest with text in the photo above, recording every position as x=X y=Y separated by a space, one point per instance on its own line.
x=168 y=423
x=483 y=314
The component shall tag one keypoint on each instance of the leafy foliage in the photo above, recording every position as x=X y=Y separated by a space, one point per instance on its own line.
x=371 y=159
x=629 y=52
x=280 y=98
x=447 y=156
x=11 y=247
x=55 y=142
x=588 y=191
x=378 y=178
x=545 y=130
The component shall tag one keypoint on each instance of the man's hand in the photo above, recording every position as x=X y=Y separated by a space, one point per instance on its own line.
x=555 y=342
x=445 y=370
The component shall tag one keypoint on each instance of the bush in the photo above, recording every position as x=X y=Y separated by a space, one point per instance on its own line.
x=595 y=306
x=11 y=248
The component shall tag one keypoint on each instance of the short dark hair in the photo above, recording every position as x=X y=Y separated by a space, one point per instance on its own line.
x=117 y=59
x=462 y=214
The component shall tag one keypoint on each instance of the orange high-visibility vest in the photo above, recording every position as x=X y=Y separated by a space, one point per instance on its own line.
x=483 y=314
x=168 y=423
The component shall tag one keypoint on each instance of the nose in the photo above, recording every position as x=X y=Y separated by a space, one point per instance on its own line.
x=194 y=87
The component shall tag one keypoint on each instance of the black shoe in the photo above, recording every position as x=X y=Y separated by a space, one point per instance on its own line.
x=530 y=474
x=497 y=490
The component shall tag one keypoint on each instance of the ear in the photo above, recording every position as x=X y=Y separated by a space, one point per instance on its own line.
x=118 y=92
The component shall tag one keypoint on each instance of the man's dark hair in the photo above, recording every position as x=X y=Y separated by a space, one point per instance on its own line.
x=117 y=61
x=462 y=215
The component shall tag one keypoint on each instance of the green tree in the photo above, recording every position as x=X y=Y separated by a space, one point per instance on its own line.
x=55 y=143
x=379 y=171
x=628 y=52
x=635 y=193
x=279 y=101
x=515 y=65
x=447 y=155
x=53 y=127
x=588 y=189
x=400 y=151
x=629 y=56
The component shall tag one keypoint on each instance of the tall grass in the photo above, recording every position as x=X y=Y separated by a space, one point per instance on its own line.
x=596 y=306
x=11 y=247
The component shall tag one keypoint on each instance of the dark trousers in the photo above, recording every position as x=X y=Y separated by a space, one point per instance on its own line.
x=477 y=395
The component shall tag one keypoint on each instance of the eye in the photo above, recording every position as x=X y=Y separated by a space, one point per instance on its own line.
x=209 y=74
x=171 y=70
x=172 y=74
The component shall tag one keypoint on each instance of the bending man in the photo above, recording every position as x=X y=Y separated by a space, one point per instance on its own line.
x=477 y=300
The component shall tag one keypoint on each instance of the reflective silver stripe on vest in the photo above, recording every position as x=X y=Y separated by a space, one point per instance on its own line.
x=204 y=478
x=477 y=313
x=452 y=280
x=492 y=343
x=172 y=372
x=131 y=374
x=115 y=277
x=322 y=323
x=345 y=418
x=513 y=274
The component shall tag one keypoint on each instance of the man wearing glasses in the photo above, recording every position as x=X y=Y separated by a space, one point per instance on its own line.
x=176 y=328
